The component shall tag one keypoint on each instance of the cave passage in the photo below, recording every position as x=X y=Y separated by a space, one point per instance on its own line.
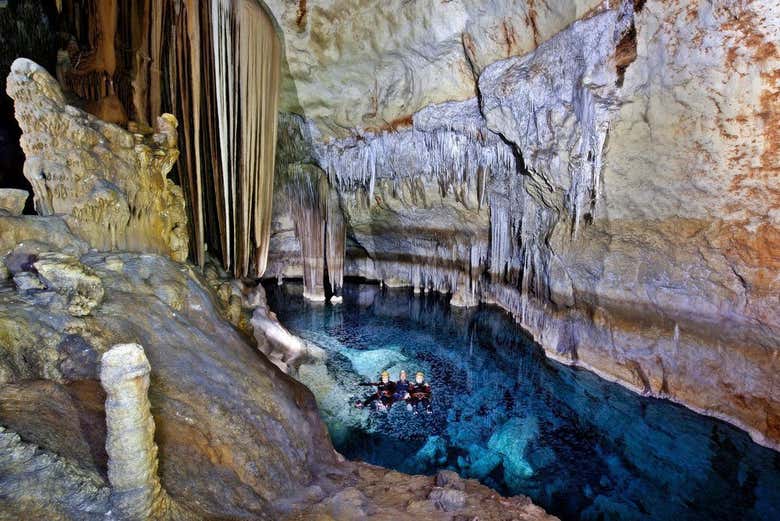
x=581 y=447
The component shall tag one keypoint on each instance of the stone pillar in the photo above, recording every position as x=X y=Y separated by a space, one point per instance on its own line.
x=136 y=493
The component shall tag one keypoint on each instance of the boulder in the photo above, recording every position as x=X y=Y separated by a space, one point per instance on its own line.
x=447 y=499
x=67 y=276
x=12 y=201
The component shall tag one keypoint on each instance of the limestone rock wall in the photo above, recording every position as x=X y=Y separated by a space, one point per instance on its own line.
x=616 y=189
x=351 y=64
x=109 y=185
x=674 y=290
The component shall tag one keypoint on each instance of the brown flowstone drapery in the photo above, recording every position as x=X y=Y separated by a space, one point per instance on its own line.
x=215 y=64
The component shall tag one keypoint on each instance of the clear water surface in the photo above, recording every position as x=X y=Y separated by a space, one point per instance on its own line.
x=581 y=447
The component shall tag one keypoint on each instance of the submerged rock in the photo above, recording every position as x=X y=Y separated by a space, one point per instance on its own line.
x=510 y=442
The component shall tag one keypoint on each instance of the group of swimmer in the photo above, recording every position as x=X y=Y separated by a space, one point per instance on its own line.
x=416 y=394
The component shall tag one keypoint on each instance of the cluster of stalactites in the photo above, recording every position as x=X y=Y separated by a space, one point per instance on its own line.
x=247 y=55
x=556 y=123
x=455 y=269
x=559 y=108
x=216 y=65
x=448 y=142
x=520 y=227
x=319 y=227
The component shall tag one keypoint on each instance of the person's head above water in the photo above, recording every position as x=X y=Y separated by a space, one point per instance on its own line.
x=385 y=377
x=402 y=375
x=419 y=377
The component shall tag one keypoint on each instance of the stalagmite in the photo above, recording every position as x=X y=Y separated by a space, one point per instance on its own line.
x=132 y=453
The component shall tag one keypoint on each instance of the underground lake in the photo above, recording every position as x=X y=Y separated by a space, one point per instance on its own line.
x=581 y=447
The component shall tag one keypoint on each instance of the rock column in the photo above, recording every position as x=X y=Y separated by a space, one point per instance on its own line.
x=132 y=454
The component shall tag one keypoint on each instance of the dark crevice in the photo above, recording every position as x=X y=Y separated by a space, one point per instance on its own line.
x=625 y=53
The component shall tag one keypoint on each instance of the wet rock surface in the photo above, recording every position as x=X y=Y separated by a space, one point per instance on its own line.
x=235 y=436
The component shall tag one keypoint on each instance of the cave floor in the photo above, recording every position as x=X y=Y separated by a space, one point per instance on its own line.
x=579 y=446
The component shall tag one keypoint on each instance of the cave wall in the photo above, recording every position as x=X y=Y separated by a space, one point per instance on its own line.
x=349 y=64
x=616 y=190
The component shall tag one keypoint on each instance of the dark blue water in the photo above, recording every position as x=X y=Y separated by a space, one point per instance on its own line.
x=579 y=446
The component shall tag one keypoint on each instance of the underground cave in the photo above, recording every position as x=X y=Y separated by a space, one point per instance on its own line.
x=227 y=225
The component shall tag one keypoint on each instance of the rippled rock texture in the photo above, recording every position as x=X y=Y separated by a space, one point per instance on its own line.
x=616 y=189
x=109 y=185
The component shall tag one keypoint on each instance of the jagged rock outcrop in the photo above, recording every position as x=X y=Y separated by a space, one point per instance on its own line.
x=64 y=274
x=569 y=193
x=109 y=185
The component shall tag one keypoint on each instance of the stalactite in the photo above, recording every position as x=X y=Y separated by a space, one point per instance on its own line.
x=320 y=228
x=309 y=213
x=222 y=26
x=335 y=243
x=247 y=56
x=216 y=65
x=184 y=94
x=216 y=226
x=448 y=142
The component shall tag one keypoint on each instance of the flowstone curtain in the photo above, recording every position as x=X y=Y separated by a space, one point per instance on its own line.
x=215 y=64
x=247 y=57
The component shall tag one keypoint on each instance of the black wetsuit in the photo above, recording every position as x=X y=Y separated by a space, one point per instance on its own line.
x=420 y=394
x=401 y=388
x=384 y=393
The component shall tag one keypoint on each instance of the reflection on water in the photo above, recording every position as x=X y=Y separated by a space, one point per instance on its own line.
x=579 y=446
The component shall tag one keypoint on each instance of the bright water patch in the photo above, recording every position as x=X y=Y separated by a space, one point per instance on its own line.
x=579 y=446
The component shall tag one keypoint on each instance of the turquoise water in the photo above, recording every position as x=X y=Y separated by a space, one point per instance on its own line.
x=581 y=447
